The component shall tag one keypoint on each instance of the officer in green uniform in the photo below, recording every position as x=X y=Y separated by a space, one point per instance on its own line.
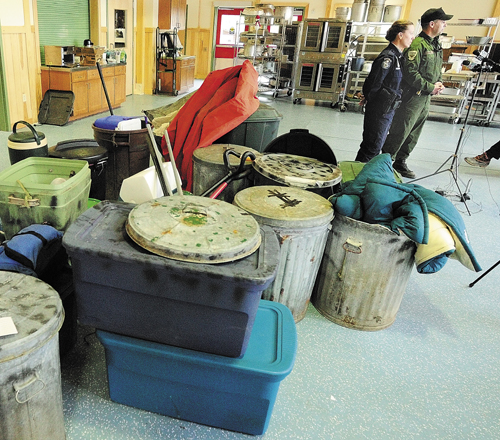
x=422 y=64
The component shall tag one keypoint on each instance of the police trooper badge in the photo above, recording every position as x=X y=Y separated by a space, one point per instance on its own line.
x=386 y=63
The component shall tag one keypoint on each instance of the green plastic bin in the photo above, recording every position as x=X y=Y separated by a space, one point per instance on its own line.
x=256 y=131
x=30 y=193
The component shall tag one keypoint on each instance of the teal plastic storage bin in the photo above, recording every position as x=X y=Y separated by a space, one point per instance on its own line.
x=235 y=394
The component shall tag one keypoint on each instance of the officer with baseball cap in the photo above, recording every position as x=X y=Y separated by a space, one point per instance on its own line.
x=422 y=63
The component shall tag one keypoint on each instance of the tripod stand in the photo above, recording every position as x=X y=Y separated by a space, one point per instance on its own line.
x=484 y=274
x=453 y=167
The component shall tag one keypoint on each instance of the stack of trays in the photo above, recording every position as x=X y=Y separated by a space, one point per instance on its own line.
x=188 y=340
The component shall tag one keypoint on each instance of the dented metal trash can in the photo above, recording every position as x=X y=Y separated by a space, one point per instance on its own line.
x=363 y=274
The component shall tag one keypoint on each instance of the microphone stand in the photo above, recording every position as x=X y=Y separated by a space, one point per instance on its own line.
x=453 y=168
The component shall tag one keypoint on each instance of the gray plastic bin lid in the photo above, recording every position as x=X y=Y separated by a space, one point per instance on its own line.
x=285 y=206
x=298 y=171
x=36 y=310
x=264 y=113
x=194 y=229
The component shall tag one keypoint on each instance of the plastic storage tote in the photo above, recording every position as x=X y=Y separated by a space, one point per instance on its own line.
x=30 y=374
x=301 y=220
x=235 y=394
x=122 y=288
x=256 y=131
x=42 y=189
x=363 y=275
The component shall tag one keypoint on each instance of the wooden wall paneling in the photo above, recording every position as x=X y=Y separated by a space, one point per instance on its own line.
x=150 y=61
x=198 y=44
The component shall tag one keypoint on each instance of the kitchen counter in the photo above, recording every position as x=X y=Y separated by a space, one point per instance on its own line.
x=85 y=83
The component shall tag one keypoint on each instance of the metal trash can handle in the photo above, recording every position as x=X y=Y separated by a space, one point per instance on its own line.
x=32 y=380
x=350 y=246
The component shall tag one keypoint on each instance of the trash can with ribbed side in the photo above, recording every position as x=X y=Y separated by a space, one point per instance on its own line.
x=363 y=274
x=301 y=220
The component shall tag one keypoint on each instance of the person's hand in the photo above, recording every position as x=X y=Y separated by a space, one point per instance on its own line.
x=362 y=101
x=438 y=88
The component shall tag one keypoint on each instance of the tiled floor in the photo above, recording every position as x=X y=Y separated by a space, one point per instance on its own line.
x=434 y=374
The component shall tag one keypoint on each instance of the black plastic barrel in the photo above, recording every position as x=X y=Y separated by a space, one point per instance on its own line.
x=128 y=154
x=94 y=154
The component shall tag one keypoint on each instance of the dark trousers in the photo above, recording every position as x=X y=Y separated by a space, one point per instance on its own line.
x=375 y=128
x=494 y=151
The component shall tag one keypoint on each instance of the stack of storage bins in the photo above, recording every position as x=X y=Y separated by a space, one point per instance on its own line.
x=188 y=340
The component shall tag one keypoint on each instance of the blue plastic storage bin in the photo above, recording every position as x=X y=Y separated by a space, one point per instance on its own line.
x=122 y=288
x=235 y=394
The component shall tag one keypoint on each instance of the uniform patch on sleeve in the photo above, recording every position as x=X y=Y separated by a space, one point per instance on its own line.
x=386 y=63
x=412 y=54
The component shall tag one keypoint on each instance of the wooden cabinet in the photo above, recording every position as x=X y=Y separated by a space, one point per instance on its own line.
x=184 y=77
x=171 y=14
x=86 y=84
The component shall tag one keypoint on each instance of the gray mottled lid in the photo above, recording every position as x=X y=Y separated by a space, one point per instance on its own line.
x=36 y=310
x=194 y=229
x=215 y=154
x=285 y=206
x=298 y=171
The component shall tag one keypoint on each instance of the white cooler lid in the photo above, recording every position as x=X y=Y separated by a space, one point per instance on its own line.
x=195 y=229
x=285 y=206
x=298 y=171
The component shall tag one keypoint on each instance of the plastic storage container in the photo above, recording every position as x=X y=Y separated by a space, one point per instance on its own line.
x=128 y=154
x=363 y=275
x=301 y=220
x=41 y=198
x=30 y=374
x=256 y=131
x=122 y=288
x=94 y=154
x=209 y=168
x=234 y=394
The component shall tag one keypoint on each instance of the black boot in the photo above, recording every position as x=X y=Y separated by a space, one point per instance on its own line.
x=401 y=167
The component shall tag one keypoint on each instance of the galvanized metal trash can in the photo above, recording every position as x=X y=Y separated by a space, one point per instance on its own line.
x=209 y=168
x=363 y=275
x=30 y=374
x=301 y=220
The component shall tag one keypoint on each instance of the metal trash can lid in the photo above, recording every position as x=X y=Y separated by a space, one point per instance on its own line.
x=36 y=311
x=285 y=206
x=195 y=229
x=298 y=171
x=214 y=154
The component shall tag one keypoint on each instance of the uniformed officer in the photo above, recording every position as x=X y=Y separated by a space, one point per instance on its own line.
x=422 y=63
x=381 y=90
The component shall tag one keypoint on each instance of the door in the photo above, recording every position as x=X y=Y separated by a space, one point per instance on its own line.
x=227 y=25
x=121 y=33
x=312 y=36
x=336 y=37
x=306 y=76
x=329 y=77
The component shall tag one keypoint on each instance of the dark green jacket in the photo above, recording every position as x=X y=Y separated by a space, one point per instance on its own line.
x=422 y=64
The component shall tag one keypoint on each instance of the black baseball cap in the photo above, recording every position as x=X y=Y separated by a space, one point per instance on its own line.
x=434 y=14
